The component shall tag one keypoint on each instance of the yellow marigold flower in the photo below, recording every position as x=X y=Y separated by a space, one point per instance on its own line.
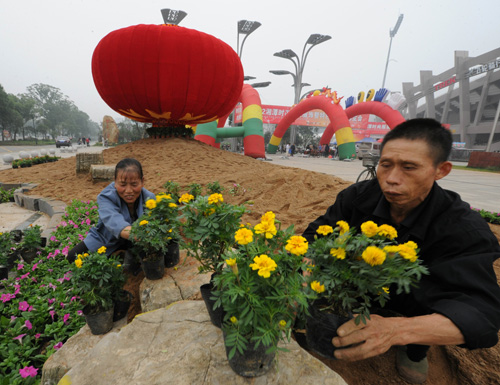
x=343 y=226
x=243 y=236
x=408 y=252
x=391 y=249
x=317 y=287
x=78 y=262
x=386 y=290
x=150 y=204
x=185 y=198
x=387 y=231
x=324 y=230
x=411 y=245
x=162 y=196
x=118 y=266
x=171 y=204
x=233 y=319
x=269 y=216
x=282 y=323
x=215 y=198
x=143 y=222
x=209 y=212
x=102 y=250
x=369 y=228
x=231 y=261
x=338 y=253
x=267 y=228
x=264 y=264
x=85 y=255
x=297 y=245
x=373 y=256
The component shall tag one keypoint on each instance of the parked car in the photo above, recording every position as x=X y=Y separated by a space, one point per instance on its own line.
x=63 y=141
x=367 y=148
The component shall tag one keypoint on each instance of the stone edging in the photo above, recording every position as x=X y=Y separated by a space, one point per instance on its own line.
x=55 y=209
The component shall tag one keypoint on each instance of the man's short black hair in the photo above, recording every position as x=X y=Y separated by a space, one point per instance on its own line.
x=431 y=131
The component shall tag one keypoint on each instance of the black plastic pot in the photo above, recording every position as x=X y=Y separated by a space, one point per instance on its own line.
x=153 y=268
x=252 y=363
x=172 y=256
x=216 y=315
x=321 y=327
x=121 y=305
x=29 y=255
x=99 y=323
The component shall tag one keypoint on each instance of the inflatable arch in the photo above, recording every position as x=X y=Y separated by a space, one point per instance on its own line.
x=339 y=123
x=251 y=131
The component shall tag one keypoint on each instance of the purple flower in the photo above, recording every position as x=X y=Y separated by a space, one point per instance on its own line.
x=20 y=266
x=19 y=337
x=79 y=312
x=28 y=324
x=66 y=318
x=28 y=371
x=7 y=297
x=23 y=306
x=50 y=270
x=58 y=346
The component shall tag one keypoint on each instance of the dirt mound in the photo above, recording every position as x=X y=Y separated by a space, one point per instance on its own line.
x=296 y=196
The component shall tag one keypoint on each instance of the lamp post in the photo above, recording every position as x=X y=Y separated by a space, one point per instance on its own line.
x=171 y=16
x=299 y=64
x=245 y=27
x=392 y=33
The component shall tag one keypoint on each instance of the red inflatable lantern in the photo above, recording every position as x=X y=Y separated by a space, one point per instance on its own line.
x=167 y=75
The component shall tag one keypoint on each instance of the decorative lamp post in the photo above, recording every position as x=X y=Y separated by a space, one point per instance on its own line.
x=299 y=64
x=171 y=16
x=245 y=27
x=392 y=33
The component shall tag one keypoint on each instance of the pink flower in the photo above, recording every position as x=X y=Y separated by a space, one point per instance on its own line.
x=64 y=224
x=81 y=237
x=66 y=318
x=53 y=238
x=75 y=226
x=74 y=298
x=52 y=286
x=50 y=270
x=65 y=251
x=20 y=266
x=87 y=221
x=58 y=346
x=51 y=301
x=28 y=324
x=37 y=335
x=19 y=337
x=28 y=371
x=25 y=275
x=23 y=306
x=52 y=313
x=62 y=305
x=7 y=297
x=35 y=266
x=12 y=318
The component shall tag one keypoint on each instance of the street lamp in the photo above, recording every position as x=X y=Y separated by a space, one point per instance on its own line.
x=245 y=27
x=392 y=33
x=171 y=16
x=299 y=64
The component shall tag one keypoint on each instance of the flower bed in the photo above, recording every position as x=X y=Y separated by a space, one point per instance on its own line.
x=22 y=163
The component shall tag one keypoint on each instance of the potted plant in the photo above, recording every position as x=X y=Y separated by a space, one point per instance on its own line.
x=153 y=231
x=31 y=243
x=350 y=271
x=98 y=280
x=209 y=225
x=260 y=289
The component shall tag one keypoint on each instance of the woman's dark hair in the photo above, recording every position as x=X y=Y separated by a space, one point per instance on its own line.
x=129 y=164
x=437 y=137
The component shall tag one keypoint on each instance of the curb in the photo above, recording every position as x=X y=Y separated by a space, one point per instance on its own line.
x=53 y=208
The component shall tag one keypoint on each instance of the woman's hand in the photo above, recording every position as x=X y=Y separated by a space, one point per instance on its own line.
x=125 y=233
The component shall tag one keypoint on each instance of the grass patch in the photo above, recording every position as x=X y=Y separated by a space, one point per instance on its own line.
x=495 y=170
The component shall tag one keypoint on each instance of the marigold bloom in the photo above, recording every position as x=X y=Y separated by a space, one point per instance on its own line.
x=267 y=228
x=373 y=256
x=78 y=262
x=143 y=222
x=369 y=228
x=338 y=253
x=297 y=245
x=171 y=204
x=101 y=250
x=243 y=236
x=385 y=289
x=231 y=261
x=343 y=227
x=324 y=230
x=233 y=319
x=162 y=196
x=150 y=204
x=269 y=216
x=408 y=252
x=185 y=198
x=411 y=245
x=264 y=264
x=282 y=323
x=215 y=198
x=387 y=231
x=317 y=287
x=391 y=249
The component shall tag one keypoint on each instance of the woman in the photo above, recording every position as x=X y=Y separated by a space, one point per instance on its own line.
x=120 y=204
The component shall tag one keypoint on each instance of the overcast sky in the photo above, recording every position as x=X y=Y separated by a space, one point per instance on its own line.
x=52 y=41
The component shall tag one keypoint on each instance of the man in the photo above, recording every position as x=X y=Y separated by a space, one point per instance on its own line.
x=458 y=303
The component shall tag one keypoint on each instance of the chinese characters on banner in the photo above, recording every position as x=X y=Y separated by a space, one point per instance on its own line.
x=361 y=125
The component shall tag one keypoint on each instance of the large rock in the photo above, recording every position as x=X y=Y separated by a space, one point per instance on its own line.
x=175 y=345
x=110 y=129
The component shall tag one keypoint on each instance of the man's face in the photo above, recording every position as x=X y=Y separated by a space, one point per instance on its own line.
x=406 y=173
x=128 y=185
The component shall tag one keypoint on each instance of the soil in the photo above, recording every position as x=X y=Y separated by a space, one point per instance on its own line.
x=296 y=197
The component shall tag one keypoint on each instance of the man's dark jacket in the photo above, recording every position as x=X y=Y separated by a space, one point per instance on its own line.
x=457 y=246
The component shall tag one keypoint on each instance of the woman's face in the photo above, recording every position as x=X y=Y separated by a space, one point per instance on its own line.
x=128 y=185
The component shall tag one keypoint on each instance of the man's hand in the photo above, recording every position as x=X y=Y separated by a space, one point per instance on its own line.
x=369 y=340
